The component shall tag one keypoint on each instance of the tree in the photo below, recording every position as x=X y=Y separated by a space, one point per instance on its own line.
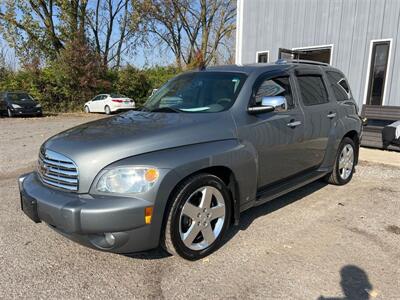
x=188 y=28
x=41 y=28
x=113 y=27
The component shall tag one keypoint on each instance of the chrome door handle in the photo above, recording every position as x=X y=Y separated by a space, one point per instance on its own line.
x=331 y=115
x=294 y=124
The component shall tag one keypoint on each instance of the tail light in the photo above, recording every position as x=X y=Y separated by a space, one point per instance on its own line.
x=117 y=100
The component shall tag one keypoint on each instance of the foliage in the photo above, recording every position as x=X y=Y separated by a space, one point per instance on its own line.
x=60 y=87
x=71 y=50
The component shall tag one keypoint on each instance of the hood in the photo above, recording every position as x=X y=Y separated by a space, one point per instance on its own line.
x=93 y=146
x=23 y=103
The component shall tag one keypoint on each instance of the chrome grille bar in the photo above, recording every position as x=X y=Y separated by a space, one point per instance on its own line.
x=58 y=170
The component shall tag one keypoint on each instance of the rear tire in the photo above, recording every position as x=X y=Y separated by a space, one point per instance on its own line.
x=343 y=169
x=197 y=218
x=107 y=110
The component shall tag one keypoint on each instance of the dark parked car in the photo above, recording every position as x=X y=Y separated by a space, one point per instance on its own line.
x=205 y=147
x=19 y=104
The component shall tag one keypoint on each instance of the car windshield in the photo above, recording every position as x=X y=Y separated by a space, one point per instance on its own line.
x=115 y=95
x=197 y=92
x=19 y=97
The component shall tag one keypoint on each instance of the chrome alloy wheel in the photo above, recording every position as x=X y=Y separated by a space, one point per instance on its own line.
x=202 y=218
x=346 y=161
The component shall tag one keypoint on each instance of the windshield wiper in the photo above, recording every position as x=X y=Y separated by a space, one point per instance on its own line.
x=166 y=109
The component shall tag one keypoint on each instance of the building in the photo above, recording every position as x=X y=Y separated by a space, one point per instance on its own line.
x=360 y=37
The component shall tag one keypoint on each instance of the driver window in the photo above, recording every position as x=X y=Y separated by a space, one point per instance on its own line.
x=279 y=86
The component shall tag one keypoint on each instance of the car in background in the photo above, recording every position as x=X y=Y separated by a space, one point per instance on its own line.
x=109 y=103
x=19 y=104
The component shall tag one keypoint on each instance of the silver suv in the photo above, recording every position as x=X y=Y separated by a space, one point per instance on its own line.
x=205 y=147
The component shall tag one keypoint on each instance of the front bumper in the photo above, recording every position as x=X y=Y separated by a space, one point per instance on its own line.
x=27 y=111
x=115 y=224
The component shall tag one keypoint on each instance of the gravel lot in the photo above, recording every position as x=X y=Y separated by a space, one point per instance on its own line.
x=321 y=241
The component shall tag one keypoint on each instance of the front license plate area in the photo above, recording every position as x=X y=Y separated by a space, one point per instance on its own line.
x=29 y=207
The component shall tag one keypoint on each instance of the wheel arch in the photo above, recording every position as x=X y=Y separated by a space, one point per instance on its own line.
x=224 y=173
x=353 y=135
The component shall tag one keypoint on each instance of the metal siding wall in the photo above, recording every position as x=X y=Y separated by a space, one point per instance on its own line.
x=390 y=23
x=349 y=25
x=359 y=50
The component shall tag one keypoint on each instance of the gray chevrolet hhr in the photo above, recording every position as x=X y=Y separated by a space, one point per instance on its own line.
x=206 y=146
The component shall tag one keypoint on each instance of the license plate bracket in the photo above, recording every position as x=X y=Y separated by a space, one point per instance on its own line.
x=29 y=207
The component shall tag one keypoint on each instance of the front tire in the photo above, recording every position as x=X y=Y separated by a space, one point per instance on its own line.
x=198 y=217
x=343 y=169
x=10 y=113
x=87 y=109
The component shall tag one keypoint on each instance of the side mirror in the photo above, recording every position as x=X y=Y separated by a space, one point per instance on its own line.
x=268 y=104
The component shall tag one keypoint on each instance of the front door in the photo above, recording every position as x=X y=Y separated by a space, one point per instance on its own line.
x=276 y=136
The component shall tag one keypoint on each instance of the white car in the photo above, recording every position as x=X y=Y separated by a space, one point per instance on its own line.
x=109 y=103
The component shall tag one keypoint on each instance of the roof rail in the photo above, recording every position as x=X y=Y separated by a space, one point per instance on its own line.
x=301 y=61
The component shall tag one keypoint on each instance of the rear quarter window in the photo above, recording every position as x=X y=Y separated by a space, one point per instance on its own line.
x=339 y=85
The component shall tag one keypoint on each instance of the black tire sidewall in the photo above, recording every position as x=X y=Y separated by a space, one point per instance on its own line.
x=9 y=113
x=87 y=109
x=180 y=200
x=345 y=141
x=107 y=110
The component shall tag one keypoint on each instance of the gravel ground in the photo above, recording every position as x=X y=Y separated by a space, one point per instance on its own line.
x=318 y=242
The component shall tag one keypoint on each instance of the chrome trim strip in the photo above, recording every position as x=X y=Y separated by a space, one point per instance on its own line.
x=62 y=179
x=59 y=185
x=63 y=172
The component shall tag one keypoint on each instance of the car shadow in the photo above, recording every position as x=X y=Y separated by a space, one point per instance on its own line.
x=355 y=284
x=153 y=254
x=247 y=217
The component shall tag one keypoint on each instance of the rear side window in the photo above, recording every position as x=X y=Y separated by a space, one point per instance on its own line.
x=312 y=89
x=339 y=85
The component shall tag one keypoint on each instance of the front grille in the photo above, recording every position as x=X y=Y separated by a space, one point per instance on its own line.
x=57 y=170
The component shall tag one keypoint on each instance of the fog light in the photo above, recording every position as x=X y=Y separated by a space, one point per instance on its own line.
x=110 y=238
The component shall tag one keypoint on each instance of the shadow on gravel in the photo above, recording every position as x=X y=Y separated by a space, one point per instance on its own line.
x=154 y=254
x=355 y=285
x=247 y=217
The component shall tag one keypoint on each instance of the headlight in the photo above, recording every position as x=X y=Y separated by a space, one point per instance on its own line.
x=15 y=106
x=127 y=180
x=38 y=105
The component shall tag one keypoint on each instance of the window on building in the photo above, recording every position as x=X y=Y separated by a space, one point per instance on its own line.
x=339 y=85
x=319 y=54
x=262 y=57
x=279 y=86
x=312 y=89
x=377 y=74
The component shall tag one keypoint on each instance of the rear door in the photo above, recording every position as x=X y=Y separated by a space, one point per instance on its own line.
x=320 y=114
x=102 y=102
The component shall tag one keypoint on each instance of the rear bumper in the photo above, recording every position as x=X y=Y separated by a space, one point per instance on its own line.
x=116 y=109
x=115 y=224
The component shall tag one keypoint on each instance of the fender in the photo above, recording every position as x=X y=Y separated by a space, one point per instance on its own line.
x=178 y=163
